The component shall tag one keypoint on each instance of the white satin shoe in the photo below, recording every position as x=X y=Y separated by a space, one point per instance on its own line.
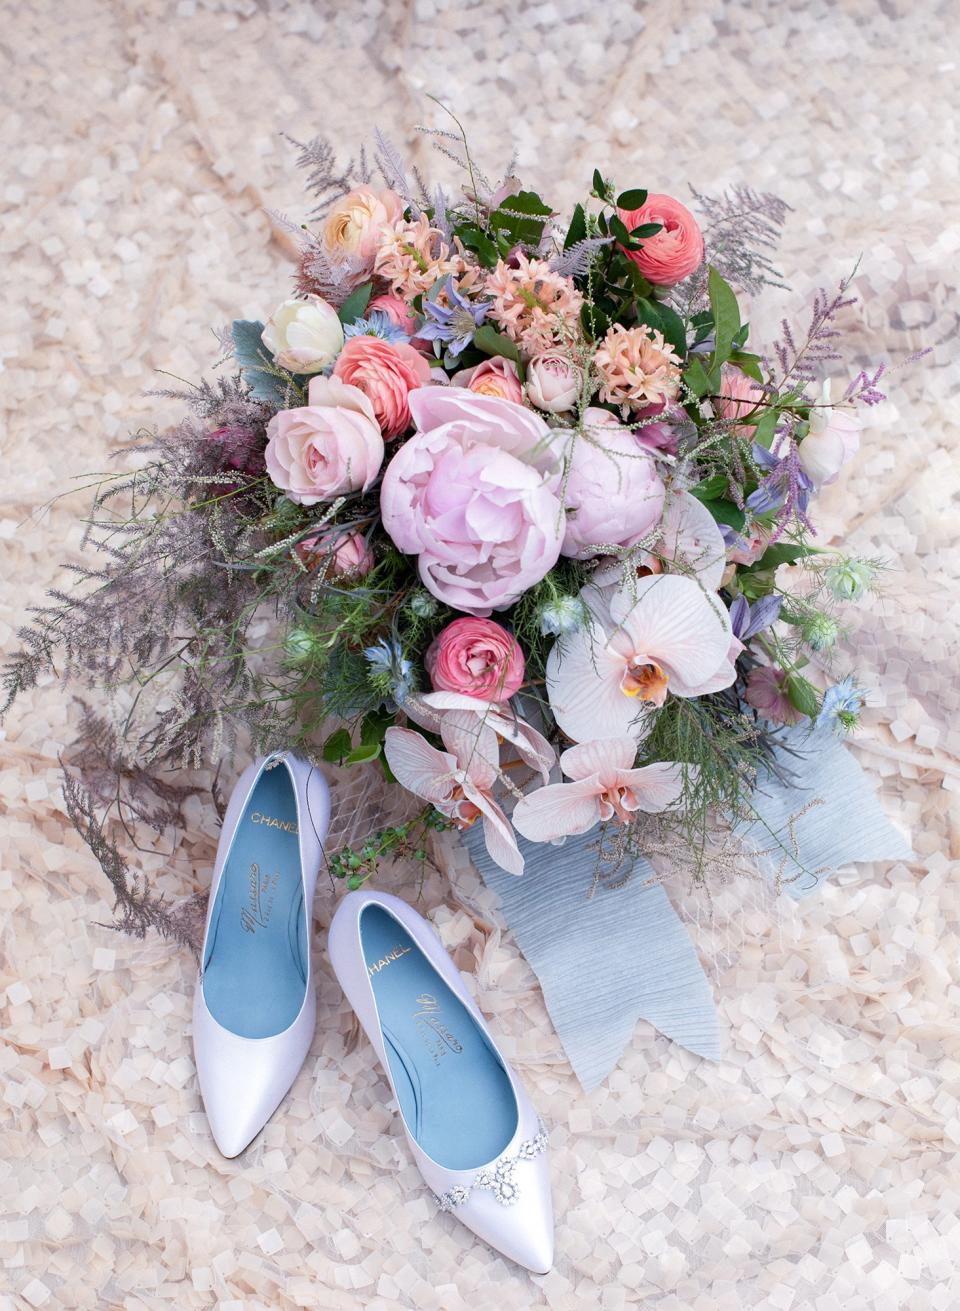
x=255 y=1007
x=472 y=1129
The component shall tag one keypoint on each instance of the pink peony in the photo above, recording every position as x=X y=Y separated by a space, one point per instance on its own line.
x=671 y=254
x=336 y=553
x=739 y=397
x=474 y=494
x=329 y=446
x=397 y=311
x=494 y=377
x=613 y=494
x=476 y=657
x=386 y=372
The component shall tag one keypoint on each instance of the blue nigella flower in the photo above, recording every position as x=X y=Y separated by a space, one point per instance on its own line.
x=389 y=665
x=747 y=620
x=377 y=324
x=841 y=707
x=453 y=324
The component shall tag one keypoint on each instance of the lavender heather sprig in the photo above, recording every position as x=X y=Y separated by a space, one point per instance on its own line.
x=800 y=364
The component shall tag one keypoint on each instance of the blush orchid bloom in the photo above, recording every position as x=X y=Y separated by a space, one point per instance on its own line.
x=491 y=722
x=458 y=781
x=663 y=634
x=605 y=785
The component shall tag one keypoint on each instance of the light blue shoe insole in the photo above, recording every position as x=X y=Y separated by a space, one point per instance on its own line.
x=255 y=970
x=454 y=1093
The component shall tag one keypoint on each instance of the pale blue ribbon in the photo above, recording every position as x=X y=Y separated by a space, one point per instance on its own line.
x=608 y=953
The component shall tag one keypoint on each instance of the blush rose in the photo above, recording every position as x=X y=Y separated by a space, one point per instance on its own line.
x=329 y=446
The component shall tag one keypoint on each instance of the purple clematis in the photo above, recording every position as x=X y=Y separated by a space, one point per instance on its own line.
x=453 y=324
x=747 y=620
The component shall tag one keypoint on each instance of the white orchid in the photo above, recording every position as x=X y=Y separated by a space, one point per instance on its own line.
x=459 y=781
x=605 y=785
x=662 y=635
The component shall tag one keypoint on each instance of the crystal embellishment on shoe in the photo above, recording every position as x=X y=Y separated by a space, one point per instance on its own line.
x=469 y=1123
x=499 y=1178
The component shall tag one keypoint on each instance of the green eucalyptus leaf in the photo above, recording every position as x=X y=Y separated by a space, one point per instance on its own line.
x=363 y=754
x=354 y=306
x=577 y=230
x=521 y=218
x=784 y=553
x=710 y=488
x=765 y=428
x=257 y=364
x=723 y=511
x=726 y=315
x=646 y=230
x=656 y=314
x=337 y=747
x=634 y=199
x=696 y=377
x=487 y=339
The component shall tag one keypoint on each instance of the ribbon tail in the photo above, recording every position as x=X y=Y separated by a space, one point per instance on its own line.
x=605 y=956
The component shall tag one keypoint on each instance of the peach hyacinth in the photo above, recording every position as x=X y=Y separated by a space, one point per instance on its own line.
x=662 y=634
x=412 y=256
x=637 y=367
x=532 y=305
x=604 y=786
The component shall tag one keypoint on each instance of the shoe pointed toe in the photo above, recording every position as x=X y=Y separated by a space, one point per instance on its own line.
x=523 y=1231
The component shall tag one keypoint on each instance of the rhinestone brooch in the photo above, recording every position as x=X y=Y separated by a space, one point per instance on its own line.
x=499 y=1178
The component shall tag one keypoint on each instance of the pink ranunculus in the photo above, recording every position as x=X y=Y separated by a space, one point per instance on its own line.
x=494 y=377
x=336 y=553
x=613 y=494
x=554 y=382
x=476 y=657
x=671 y=254
x=474 y=494
x=739 y=398
x=397 y=311
x=386 y=372
x=327 y=447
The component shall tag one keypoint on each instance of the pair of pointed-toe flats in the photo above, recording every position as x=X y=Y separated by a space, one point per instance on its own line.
x=471 y=1127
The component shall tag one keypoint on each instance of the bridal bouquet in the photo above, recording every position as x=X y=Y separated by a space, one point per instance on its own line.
x=503 y=502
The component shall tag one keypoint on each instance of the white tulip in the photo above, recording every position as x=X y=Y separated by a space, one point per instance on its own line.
x=304 y=336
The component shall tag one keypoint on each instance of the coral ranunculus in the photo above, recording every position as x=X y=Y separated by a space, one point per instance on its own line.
x=386 y=372
x=671 y=254
x=476 y=657
x=475 y=494
x=613 y=494
x=329 y=446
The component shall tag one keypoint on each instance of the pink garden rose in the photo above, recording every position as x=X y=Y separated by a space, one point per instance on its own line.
x=613 y=495
x=554 y=382
x=329 y=446
x=494 y=377
x=675 y=251
x=475 y=494
x=397 y=311
x=476 y=657
x=386 y=372
x=336 y=553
